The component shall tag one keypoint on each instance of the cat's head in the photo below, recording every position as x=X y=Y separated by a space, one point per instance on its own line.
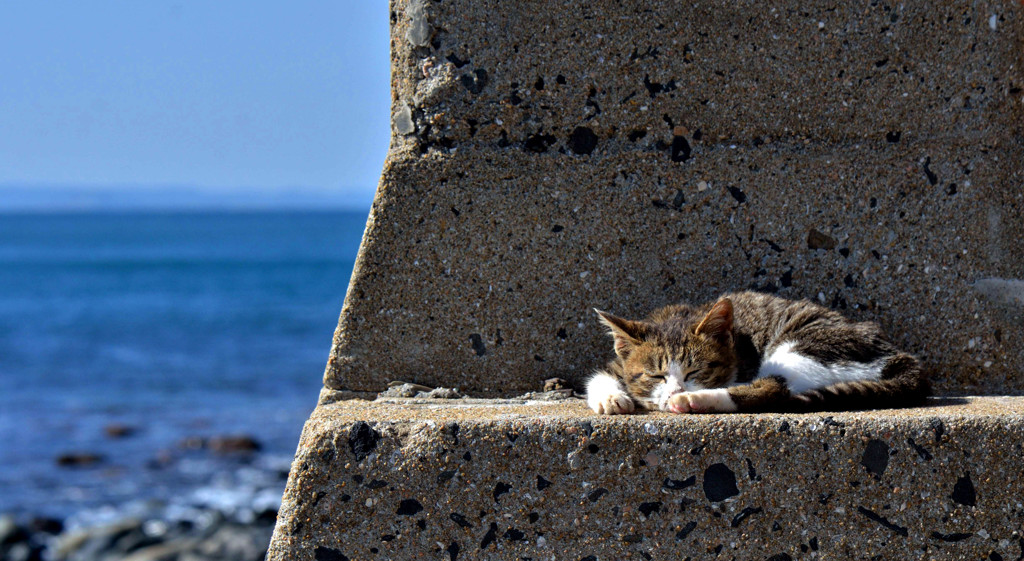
x=682 y=353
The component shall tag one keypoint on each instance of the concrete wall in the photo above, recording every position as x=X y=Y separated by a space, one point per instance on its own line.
x=552 y=157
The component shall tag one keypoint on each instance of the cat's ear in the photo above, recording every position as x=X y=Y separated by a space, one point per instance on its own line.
x=717 y=324
x=627 y=333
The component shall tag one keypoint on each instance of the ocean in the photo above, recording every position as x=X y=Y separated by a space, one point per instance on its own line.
x=176 y=327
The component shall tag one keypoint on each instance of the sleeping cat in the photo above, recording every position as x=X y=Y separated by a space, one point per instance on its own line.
x=751 y=352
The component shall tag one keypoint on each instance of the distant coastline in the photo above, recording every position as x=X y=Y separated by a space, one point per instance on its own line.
x=61 y=199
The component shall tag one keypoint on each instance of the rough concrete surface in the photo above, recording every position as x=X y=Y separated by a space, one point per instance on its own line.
x=507 y=479
x=552 y=157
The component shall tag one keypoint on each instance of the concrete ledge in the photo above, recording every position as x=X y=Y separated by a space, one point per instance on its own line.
x=512 y=479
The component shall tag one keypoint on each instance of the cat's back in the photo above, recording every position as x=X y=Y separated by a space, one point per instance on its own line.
x=770 y=320
x=766 y=317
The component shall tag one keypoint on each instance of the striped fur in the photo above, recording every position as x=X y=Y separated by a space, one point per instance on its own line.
x=758 y=347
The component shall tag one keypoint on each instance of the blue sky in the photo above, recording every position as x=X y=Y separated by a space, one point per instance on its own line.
x=224 y=97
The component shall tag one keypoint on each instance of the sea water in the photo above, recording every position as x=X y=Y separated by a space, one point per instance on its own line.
x=180 y=326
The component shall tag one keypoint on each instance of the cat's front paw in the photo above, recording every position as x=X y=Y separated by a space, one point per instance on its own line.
x=615 y=403
x=702 y=401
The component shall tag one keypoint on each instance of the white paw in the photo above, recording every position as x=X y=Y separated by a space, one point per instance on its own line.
x=702 y=401
x=611 y=404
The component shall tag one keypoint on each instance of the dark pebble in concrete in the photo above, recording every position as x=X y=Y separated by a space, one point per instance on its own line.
x=489 y=536
x=500 y=489
x=444 y=476
x=954 y=537
x=475 y=82
x=938 y=428
x=409 y=507
x=322 y=553
x=478 y=344
x=539 y=143
x=681 y=534
x=582 y=140
x=460 y=520
x=922 y=452
x=876 y=457
x=647 y=509
x=676 y=484
x=744 y=514
x=719 y=483
x=963 y=491
x=680 y=149
x=362 y=439
x=454 y=59
x=928 y=173
x=883 y=521
x=820 y=240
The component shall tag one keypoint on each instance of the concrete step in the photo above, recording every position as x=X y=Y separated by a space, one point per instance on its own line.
x=516 y=479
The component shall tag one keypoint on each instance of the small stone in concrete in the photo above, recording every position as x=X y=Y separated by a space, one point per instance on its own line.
x=441 y=393
x=460 y=520
x=876 y=457
x=419 y=30
x=719 y=483
x=1002 y=291
x=820 y=240
x=362 y=439
x=582 y=140
x=409 y=507
x=403 y=120
x=963 y=491
x=744 y=514
x=677 y=484
x=404 y=390
x=500 y=489
x=328 y=554
x=552 y=384
x=681 y=534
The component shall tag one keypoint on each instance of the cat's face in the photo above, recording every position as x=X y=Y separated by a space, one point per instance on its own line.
x=681 y=354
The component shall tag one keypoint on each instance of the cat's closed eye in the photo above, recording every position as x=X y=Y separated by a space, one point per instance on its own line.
x=655 y=376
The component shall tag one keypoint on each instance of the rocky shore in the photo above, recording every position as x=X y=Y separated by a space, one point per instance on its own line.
x=195 y=535
x=219 y=501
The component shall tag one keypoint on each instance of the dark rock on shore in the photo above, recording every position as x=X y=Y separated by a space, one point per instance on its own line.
x=16 y=543
x=234 y=444
x=223 y=444
x=212 y=537
x=119 y=430
x=79 y=459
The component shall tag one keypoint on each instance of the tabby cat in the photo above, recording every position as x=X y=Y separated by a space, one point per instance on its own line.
x=751 y=352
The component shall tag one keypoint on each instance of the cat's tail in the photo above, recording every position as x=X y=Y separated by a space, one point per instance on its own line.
x=901 y=384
